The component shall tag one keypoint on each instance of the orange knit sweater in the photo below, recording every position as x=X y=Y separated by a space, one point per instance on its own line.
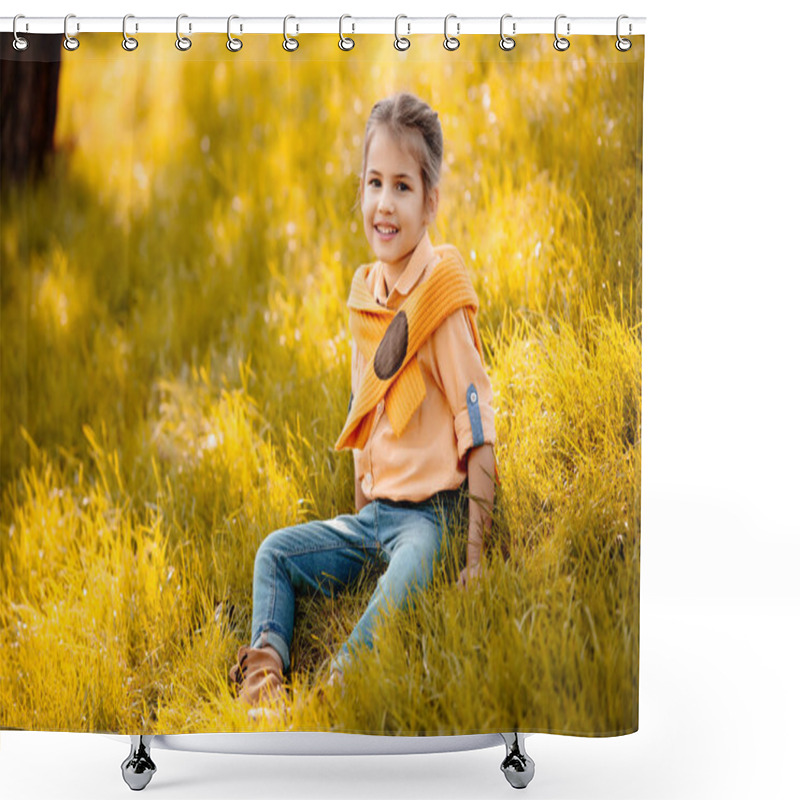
x=390 y=339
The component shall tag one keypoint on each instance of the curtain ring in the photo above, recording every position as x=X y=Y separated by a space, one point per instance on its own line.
x=182 y=42
x=70 y=42
x=289 y=43
x=401 y=43
x=506 y=42
x=20 y=43
x=623 y=45
x=233 y=44
x=345 y=42
x=561 y=44
x=128 y=42
x=450 y=42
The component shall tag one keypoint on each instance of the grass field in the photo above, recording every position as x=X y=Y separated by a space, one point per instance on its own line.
x=175 y=372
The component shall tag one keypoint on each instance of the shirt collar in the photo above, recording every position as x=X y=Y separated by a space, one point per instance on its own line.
x=422 y=256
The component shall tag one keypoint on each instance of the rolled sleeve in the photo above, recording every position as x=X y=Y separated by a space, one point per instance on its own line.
x=464 y=382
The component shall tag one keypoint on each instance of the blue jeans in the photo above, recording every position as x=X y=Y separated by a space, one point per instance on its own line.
x=328 y=555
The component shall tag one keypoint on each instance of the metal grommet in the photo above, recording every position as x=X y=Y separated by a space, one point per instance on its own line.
x=70 y=42
x=128 y=42
x=345 y=42
x=400 y=43
x=623 y=45
x=233 y=44
x=561 y=44
x=450 y=42
x=182 y=42
x=506 y=42
x=20 y=43
x=289 y=44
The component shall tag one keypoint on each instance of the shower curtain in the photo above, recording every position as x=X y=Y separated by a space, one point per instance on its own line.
x=179 y=234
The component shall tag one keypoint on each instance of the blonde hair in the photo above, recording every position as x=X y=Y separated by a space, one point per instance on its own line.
x=415 y=124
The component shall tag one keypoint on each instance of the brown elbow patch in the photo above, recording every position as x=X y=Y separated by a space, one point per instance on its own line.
x=392 y=350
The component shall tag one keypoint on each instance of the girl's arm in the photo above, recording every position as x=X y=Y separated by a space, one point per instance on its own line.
x=480 y=473
x=361 y=501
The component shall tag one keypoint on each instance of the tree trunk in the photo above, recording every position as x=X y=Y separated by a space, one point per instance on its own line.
x=28 y=103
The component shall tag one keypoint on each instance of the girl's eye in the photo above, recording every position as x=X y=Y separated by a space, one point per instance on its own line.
x=404 y=187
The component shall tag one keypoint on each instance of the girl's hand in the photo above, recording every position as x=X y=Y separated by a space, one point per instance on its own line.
x=469 y=573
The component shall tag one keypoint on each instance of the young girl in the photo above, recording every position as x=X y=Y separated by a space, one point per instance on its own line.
x=420 y=419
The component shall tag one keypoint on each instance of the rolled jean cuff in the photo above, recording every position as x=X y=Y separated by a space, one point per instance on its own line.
x=274 y=639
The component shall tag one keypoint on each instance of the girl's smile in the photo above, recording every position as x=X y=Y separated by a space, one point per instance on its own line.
x=386 y=232
x=393 y=203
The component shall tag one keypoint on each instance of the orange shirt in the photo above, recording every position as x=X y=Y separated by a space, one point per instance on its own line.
x=430 y=455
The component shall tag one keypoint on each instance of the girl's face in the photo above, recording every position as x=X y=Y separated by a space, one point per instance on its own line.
x=396 y=212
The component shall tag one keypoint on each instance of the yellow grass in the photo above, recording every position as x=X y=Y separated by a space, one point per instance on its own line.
x=175 y=371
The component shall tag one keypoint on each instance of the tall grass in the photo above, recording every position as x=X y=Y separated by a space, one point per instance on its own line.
x=175 y=371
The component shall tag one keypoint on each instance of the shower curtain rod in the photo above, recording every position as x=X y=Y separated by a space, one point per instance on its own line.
x=406 y=26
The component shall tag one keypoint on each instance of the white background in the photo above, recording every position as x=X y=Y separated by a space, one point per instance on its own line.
x=719 y=700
